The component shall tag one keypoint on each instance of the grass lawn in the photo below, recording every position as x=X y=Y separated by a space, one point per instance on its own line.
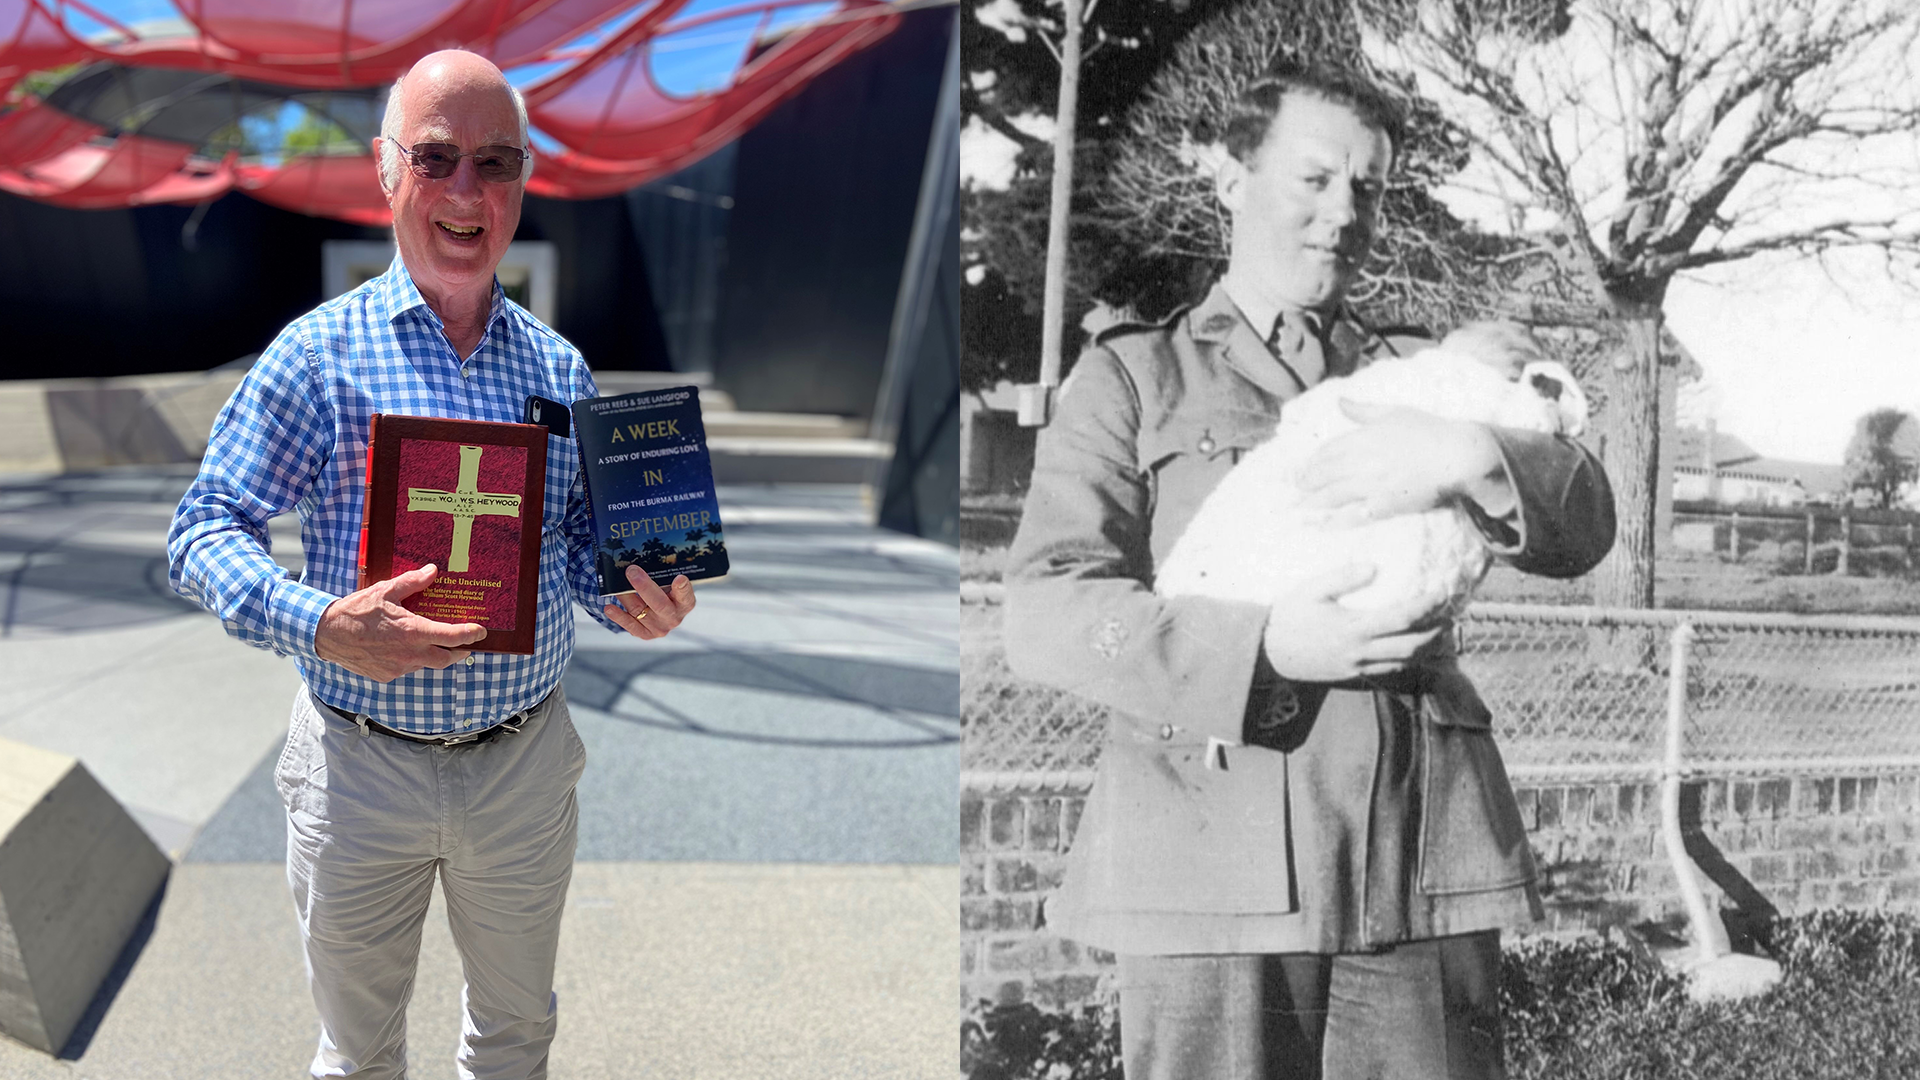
x=1685 y=580
x=1709 y=583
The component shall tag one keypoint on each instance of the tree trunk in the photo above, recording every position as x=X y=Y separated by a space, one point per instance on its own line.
x=1630 y=451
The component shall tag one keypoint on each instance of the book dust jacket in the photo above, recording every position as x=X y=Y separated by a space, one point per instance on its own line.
x=650 y=484
x=465 y=496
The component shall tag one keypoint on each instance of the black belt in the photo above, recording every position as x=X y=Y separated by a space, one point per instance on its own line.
x=470 y=738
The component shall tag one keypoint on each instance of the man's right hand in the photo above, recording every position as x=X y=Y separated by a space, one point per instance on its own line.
x=370 y=634
x=1310 y=637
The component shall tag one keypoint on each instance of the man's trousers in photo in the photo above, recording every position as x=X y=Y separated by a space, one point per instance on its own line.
x=1423 y=1010
x=371 y=820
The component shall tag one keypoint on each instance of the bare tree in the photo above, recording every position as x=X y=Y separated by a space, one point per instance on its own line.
x=1426 y=269
x=1649 y=138
x=1883 y=456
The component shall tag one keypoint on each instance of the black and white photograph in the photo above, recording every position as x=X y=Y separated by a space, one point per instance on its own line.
x=1439 y=592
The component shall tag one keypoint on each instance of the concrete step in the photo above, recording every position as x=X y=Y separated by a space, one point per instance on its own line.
x=65 y=425
x=766 y=459
x=781 y=425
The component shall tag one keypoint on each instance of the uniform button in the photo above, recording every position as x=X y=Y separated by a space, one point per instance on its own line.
x=1166 y=731
x=1206 y=444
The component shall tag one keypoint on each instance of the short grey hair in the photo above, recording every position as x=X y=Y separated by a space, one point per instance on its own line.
x=393 y=122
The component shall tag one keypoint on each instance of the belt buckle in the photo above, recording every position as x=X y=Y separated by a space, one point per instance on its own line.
x=471 y=736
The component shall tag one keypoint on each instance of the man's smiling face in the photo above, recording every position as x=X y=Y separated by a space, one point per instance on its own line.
x=1304 y=208
x=452 y=233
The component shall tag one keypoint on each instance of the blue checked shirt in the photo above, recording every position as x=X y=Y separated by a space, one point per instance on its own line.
x=294 y=438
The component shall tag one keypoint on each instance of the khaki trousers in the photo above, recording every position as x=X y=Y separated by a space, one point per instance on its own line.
x=1423 y=1010
x=371 y=820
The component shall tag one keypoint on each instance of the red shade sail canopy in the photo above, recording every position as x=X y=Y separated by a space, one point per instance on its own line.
x=124 y=135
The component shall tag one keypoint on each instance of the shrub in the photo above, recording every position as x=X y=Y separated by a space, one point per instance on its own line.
x=1848 y=1007
x=1019 y=1041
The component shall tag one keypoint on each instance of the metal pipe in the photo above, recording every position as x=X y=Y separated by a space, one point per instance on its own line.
x=1491 y=612
x=1054 y=288
x=1709 y=936
x=1026 y=781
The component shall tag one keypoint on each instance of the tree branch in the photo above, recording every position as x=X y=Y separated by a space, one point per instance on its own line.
x=1829 y=236
x=990 y=114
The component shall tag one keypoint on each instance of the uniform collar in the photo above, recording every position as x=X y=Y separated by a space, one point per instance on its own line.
x=1312 y=322
x=1342 y=337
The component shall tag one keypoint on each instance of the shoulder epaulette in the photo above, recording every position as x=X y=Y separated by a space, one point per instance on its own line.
x=1136 y=326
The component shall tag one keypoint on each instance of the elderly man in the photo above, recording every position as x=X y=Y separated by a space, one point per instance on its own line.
x=1302 y=858
x=409 y=754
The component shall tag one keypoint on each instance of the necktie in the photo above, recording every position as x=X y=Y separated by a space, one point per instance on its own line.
x=1298 y=348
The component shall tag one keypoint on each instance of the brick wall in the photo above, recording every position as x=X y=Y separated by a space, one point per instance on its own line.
x=1784 y=843
x=1012 y=848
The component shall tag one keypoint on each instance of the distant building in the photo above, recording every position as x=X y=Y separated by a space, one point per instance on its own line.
x=1717 y=468
x=996 y=453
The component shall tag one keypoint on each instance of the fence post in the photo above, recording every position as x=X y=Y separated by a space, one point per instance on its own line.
x=1809 y=569
x=1846 y=542
x=1733 y=536
x=1909 y=547
x=1709 y=936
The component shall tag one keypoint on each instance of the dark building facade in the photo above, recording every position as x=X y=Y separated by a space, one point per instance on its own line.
x=774 y=264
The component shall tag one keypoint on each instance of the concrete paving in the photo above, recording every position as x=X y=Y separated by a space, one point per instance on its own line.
x=767 y=883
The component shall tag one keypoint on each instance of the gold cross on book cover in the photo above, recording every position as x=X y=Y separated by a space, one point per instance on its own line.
x=465 y=502
x=466 y=496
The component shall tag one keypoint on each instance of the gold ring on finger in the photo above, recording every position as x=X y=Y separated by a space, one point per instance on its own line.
x=642 y=616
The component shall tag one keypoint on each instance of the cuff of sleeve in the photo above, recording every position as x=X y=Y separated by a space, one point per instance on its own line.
x=597 y=611
x=293 y=618
x=1506 y=534
x=1213 y=651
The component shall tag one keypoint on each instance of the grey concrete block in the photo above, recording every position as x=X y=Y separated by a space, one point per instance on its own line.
x=26 y=432
x=110 y=424
x=76 y=875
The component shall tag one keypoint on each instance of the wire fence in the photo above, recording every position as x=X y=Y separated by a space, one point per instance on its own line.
x=1576 y=693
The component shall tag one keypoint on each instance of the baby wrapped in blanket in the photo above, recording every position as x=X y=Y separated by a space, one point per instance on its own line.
x=1253 y=540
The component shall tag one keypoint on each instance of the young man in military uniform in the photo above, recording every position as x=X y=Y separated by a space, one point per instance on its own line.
x=1303 y=861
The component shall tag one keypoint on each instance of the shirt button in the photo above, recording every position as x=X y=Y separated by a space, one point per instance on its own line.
x=469 y=661
x=1166 y=731
x=466 y=373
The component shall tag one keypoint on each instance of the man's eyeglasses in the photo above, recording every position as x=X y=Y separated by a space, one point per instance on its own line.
x=437 y=161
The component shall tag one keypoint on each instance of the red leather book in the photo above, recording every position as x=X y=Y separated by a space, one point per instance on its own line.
x=466 y=496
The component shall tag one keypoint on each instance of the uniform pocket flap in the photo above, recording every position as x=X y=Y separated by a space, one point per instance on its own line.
x=1205 y=436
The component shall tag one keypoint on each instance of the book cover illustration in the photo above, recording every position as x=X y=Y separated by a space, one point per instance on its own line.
x=650 y=484
x=466 y=496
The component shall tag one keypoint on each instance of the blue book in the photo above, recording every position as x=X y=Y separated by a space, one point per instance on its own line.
x=650 y=485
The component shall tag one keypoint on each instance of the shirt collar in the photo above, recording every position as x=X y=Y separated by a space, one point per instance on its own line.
x=1266 y=320
x=1345 y=339
x=396 y=290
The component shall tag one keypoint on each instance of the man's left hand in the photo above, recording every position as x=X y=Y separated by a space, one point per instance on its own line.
x=1404 y=461
x=649 y=611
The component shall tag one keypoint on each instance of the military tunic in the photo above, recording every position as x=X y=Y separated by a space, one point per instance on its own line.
x=1235 y=811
